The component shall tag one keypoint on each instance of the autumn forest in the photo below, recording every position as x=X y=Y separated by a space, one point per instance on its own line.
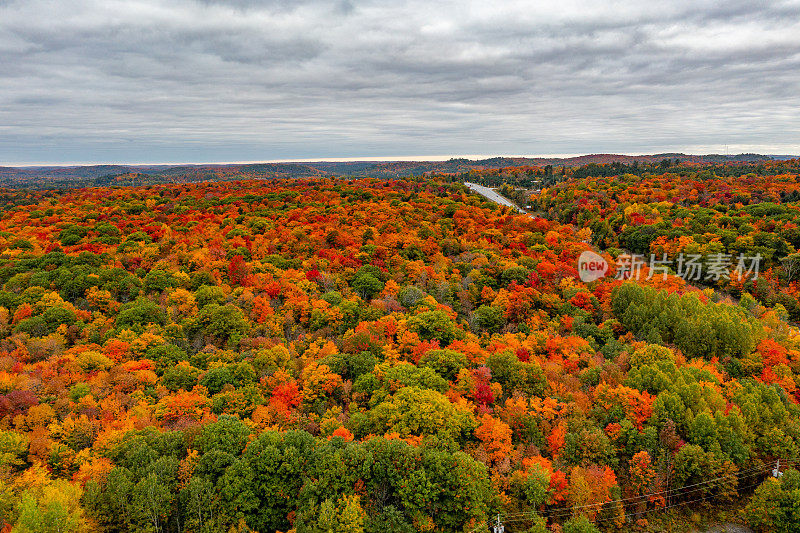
x=399 y=354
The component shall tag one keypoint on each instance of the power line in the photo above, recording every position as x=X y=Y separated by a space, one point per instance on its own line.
x=650 y=511
x=696 y=487
x=679 y=504
x=562 y=512
x=741 y=474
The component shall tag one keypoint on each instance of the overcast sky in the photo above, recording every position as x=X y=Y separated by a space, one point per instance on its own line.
x=238 y=80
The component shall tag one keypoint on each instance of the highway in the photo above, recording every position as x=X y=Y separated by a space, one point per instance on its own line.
x=492 y=195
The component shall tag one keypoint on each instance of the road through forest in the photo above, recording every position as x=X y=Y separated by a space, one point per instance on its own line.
x=486 y=192
x=496 y=197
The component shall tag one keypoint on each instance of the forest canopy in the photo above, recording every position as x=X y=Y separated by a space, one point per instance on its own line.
x=388 y=355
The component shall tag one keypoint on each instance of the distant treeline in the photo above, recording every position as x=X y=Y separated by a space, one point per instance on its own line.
x=548 y=175
x=524 y=172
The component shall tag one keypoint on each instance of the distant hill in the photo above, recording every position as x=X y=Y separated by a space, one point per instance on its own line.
x=98 y=175
x=89 y=171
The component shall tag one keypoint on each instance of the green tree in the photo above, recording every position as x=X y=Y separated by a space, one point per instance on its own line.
x=166 y=355
x=228 y=434
x=588 y=445
x=515 y=273
x=408 y=375
x=388 y=519
x=414 y=411
x=367 y=285
x=157 y=280
x=694 y=466
x=434 y=325
x=579 y=524
x=198 y=499
x=446 y=363
x=650 y=354
x=409 y=296
x=111 y=504
x=262 y=487
x=226 y=322
x=55 y=508
x=217 y=377
x=516 y=376
x=531 y=488
x=343 y=516
x=139 y=313
x=152 y=503
x=775 y=505
x=209 y=294
x=13 y=449
x=490 y=318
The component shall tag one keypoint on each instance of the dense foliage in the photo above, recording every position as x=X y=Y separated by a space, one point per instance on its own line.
x=701 y=215
x=329 y=355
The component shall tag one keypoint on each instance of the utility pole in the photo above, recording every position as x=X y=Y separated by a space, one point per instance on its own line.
x=499 y=527
x=776 y=472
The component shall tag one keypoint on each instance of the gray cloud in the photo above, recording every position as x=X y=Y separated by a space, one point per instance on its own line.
x=225 y=80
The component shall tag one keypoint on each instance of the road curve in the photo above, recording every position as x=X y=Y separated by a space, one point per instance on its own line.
x=486 y=192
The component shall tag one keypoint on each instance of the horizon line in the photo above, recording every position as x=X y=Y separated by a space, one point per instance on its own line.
x=390 y=159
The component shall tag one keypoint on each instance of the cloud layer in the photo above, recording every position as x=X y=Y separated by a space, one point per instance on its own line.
x=231 y=80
